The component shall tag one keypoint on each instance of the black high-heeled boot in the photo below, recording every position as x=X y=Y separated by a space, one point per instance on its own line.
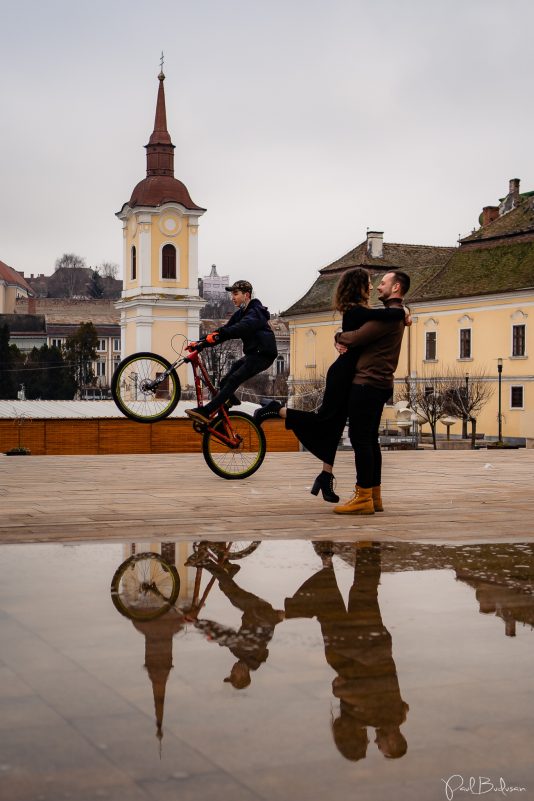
x=325 y=483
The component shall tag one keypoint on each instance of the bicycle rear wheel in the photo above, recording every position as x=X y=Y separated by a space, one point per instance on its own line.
x=136 y=392
x=236 y=550
x=241 y=461
x=145 y=586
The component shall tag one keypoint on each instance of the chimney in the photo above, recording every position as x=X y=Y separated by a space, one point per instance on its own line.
x=375 y=244
x=489 y=213
x=514 y=186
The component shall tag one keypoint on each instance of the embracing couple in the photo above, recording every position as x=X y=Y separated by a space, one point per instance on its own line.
x=358 y=384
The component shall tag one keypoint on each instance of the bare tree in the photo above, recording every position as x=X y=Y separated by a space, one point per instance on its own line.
x=70 y=276
x=437 y=395
x=308 y=395
x=219 y=359
x=108 y=269
x=430 y=394
x=467 y=397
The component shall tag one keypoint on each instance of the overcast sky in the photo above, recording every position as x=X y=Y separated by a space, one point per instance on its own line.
x=298 y=124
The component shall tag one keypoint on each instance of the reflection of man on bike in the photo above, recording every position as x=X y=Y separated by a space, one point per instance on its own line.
x=359 y=648
x=249 y=643
x=250 y=323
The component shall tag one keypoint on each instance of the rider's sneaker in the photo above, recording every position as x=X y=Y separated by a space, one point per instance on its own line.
x=199 y=415
x=269 y=410
x=233 y=400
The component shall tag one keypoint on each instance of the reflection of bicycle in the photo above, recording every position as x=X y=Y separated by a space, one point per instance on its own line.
x=146 y=388
x=145 y=586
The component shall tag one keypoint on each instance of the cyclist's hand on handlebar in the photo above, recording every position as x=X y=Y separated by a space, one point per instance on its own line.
x=213 y=338
x=196 y=345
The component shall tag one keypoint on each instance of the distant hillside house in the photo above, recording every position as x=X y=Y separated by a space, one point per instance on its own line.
x=470 y=307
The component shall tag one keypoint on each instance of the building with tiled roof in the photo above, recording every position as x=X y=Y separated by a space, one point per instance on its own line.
x=12 y=286
x=470 y=307
x=420 y=261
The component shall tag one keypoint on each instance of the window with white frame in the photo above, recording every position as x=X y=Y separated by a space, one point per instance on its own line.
x=465 y=343
x=280 y=365
x=57 y=343
x=102 y=345
x=101 y=369
x=116 y=343
x=430 y=346
x=516 y=397
x=518 y=340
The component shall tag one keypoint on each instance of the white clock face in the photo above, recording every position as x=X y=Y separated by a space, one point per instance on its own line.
x=169 y=224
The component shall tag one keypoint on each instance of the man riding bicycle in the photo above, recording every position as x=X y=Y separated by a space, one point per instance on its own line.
x=250 y=323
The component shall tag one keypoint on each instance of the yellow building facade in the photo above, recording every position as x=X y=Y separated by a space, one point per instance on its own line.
x=160 y=302
x=470 y=308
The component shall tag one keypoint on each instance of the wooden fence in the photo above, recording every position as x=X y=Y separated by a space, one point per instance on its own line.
x=52 y=437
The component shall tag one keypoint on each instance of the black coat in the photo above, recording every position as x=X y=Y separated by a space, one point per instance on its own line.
x=251 y=325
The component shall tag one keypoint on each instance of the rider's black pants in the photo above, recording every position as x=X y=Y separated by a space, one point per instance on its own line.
x=239 y=372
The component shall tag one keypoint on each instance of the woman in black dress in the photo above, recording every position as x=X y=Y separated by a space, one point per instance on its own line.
x=320 y=431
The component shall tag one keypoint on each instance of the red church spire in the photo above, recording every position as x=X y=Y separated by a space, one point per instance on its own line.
x=160 y=149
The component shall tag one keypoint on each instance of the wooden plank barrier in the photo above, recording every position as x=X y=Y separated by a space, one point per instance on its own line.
x=117 y=435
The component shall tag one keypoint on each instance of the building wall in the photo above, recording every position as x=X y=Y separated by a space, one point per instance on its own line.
x=490 y=320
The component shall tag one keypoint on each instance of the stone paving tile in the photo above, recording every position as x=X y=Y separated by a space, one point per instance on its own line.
x=438 y=496
x=447 y=496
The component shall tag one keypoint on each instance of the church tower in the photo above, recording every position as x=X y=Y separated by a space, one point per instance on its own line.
x=160 y=225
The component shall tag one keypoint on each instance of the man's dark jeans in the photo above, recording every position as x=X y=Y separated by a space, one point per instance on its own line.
x=365 y=410
x=239 y=372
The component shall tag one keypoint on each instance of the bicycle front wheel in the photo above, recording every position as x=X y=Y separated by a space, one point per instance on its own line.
x=145 y=586
x=140 y=393
x=234 y=462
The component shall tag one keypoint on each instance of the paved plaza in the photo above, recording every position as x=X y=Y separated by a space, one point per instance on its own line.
x=432 y=496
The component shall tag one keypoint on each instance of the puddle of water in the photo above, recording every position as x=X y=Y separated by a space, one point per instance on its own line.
x=298 y=671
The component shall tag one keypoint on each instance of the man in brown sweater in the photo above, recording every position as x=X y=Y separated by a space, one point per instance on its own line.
x=380 y=345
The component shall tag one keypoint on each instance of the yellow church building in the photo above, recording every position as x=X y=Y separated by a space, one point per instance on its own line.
x=470 y=306
x=160 y=303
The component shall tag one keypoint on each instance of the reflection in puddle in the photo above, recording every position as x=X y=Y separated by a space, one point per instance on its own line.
x=324 y=648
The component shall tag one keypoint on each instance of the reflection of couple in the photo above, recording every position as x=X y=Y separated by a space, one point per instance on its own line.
x=357 y=646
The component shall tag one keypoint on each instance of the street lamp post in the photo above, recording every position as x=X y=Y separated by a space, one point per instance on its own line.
x=499 y=371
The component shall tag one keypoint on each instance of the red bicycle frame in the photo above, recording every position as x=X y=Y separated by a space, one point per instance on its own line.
x=200 y=374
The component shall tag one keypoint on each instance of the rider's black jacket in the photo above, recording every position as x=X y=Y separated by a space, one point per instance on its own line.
x=251 y=325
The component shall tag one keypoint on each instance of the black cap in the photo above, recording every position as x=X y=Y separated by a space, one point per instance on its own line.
x=240 y=286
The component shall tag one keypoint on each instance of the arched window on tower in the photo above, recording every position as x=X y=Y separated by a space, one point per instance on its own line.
x=168 y=262
x=133 y=264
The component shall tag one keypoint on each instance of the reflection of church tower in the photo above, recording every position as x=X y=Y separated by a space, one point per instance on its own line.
x=160 y=225
x=158 y=656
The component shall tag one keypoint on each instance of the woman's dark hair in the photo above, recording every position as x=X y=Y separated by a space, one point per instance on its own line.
x=352 y=289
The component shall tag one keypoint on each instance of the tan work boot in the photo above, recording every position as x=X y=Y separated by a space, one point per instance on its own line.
x=360 y=504
x=377 y=499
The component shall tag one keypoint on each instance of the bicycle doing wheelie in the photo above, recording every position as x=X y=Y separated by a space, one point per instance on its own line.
x=146 y=388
